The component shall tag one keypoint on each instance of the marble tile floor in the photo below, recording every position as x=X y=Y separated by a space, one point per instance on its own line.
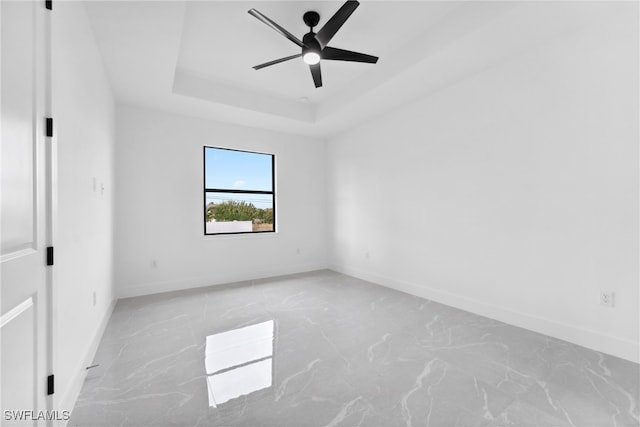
x=326 y=349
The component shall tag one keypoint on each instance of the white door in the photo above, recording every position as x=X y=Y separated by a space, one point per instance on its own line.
x=26 y=211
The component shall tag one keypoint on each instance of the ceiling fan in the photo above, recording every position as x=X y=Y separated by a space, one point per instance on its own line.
x=314 y=45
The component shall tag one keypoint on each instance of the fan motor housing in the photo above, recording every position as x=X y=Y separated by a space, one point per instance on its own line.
x=310 y=43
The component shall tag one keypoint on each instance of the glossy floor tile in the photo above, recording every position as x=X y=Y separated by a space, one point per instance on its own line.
x=325 y=349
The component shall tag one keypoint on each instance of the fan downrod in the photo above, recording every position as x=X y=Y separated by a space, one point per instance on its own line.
x=311 y=18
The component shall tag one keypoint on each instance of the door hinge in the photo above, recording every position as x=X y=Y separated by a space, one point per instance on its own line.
x=50 y=385
x=49 y=126
x=50 y=255
x=48 y=4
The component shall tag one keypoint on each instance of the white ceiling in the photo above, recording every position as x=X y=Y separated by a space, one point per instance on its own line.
x=196 y=57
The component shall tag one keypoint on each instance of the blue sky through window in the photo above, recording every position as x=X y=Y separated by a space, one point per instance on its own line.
x=237 y=170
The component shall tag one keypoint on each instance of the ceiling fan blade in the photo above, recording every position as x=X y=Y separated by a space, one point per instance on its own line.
x=332 y=26
x=276 y=61
x=316 y=74
x=334 y=54
x=276 y=27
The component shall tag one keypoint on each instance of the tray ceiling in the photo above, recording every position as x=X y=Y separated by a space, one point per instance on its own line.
x=195 y=57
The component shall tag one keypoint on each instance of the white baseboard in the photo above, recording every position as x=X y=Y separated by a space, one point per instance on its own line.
x=134 y=290
x=616 y=346
x=70 y=396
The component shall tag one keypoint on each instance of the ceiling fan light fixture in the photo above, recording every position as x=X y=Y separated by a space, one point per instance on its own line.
x=314 y=45
x=311 y=58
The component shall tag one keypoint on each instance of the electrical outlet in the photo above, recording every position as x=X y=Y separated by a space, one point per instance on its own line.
x=94 y=298
x=607 y=298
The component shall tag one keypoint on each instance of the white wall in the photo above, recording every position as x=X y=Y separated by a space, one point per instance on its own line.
x=160 y=244
x=84 y=117
x=513 y=193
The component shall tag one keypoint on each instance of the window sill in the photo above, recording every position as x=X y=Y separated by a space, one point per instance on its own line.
x=265 y=235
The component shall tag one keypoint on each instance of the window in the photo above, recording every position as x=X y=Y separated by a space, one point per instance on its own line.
x=238 y=192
